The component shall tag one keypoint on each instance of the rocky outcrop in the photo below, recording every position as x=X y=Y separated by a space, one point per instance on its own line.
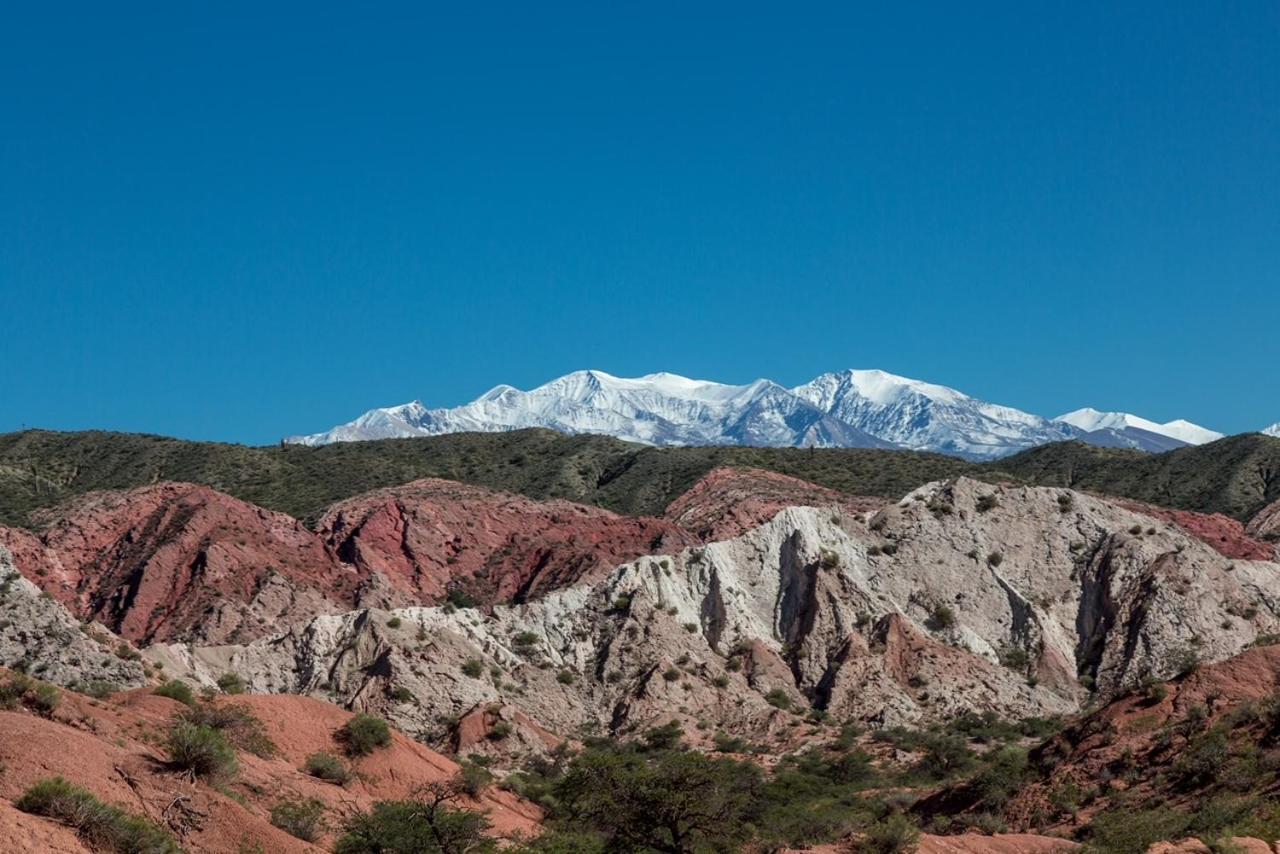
x=39 y=637
x=727 y=502
x=962 y=596
x=1266 y=525
x=177 y=560
x=433 y=536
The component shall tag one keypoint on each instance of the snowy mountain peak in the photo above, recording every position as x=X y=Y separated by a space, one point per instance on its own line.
x=851 y=408
x=1091 y=420
x=1273 y=430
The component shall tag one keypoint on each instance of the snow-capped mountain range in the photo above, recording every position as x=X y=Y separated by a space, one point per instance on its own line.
x=1273 y=430
x=848 y=409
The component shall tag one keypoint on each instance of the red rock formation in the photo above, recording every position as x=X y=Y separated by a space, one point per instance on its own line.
x=1223 y=533
x=727 y=502
x=173 y=560
x=431 y=535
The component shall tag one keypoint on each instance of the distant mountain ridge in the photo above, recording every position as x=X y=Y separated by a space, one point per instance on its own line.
x=843 y=409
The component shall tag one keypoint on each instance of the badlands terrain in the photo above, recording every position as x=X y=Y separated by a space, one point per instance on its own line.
x=549 y=643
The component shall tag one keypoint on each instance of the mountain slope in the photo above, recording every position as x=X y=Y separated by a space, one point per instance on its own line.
x=1273 y=430
x=923 y=416
x=658 y=409
x=1090 y=420
x=850 y=409
x=1234 y=476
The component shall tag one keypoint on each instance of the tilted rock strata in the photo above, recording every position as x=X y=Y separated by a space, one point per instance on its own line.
x=962 y=596
x=39 y=637
x=429 y=536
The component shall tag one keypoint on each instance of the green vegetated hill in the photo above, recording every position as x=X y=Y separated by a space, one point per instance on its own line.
x=41 y=469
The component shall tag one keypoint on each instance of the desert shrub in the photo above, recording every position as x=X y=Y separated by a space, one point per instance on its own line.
x=20 y=689
x=327 y=767
x=943 y=756
x=671 y=674
x=665 y=737
x=1202 y=759
x=944 y=617
x=894 y=834
x=1124 y=831
x=461 y=599
x=176 y=689
x=995 y=558
x=13 y=689
x=394 y=623
x=828 y=559
x=778 y=699
x=566 y=677
x=986 y=502
x=239 y=725
x=473 y=667
x=202 y=750
x=473 y=777
x=720 y=681
x=1002 y=774
x=363 y=734
x=500 y=730
x=99 y=689
x=303 y=818
x=414 y=827
x=102 y=826
x=43 y=698
x=231 y=683
x=729 y=743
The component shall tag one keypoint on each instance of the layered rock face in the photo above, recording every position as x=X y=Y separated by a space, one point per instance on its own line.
x=1266 y=525
x=431 y=536
x=178 y=560
x=960 y=597
x=39 y=637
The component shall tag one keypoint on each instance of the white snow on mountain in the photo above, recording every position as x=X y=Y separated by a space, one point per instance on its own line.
x=852 y=409
x=924 y=416
x=1273 y=430
x=658 y=409
x=1090 y=420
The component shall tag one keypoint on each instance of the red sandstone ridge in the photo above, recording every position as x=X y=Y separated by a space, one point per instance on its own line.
x=431 y=535
x=176 y=560
x=1226 y=535
x=109 y=747
x=727 y=502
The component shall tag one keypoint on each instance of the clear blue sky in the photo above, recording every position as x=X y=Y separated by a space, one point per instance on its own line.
x=238 y=221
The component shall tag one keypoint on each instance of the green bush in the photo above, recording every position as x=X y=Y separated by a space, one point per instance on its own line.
x=394 y=623
x=43 y=698
x=414 y=827
x=176 y=689
x=895 y=834
x=944 y=617
x=303 y=819
x=473 y=668
x=987 y=502
x=363 y=734
x=327 y=767
x=778 y=699
x=566 y=677
x=202 y=750
x=240 y=726
x=102 y=826
x=231 y=683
